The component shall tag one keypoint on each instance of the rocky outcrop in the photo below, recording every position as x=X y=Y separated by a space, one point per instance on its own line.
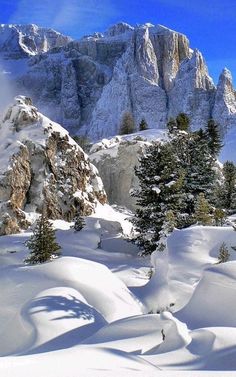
x=42 y=168
x=116 y=159
x=225 y=101
x=148 y=70
x=21 y=41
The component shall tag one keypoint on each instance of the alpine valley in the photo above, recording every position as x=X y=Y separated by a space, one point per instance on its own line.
x=117 y=245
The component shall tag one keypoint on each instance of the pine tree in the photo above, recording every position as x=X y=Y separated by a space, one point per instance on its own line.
x=79 y=222
x=183 y=122
x=127 y=124
x=223 y=254
x=161 y=181
x=227 y=191
x=42 y=244
x=202 y=211
x=143 y=125
x=219 y=217
x=214 y=138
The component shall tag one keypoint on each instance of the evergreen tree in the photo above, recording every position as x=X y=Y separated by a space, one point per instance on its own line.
x=219 y=217
x=227 y=191
x=202 y=211
x=183 y=122
x=42 y=244
x=143 y=125
x=79 y=222
x=223 y=254
x=161 y=181
x=127 y=124
x=171 y=125
x=214 y=138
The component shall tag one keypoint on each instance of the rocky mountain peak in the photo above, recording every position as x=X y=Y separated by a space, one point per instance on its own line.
x=149 y=71
x=225 y=101
x=118 y=29
x=41 y=167
x=20 y=41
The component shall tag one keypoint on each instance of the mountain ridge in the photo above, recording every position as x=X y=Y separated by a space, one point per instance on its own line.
x=87 y=84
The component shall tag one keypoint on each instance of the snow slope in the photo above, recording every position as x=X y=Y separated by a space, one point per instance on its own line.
x=92 y=312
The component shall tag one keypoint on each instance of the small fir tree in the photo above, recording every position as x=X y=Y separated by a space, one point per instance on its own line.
x=183 y=122
x=202 y=211
x=143 y=125
x=42 y=244
x=79 y=222
x=223 y=254
x=219 y=217
x=127 y=124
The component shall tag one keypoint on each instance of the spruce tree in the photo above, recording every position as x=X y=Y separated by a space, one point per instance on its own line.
x=183 y=122
x=79 y=222
x=42 y=244
x=143 y=125
x=161 y=181
x=127 y=125
x=223 y=254
x=202 y=211
x=227 y=191
x=214 y=138
x=219 y=217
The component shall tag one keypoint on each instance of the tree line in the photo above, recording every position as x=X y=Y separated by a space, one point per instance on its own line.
x=181 y=184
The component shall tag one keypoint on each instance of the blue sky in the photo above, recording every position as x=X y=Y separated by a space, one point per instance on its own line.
x=209 y=24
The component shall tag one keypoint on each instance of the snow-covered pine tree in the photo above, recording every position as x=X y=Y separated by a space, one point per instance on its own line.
x=79 y=222
x=214 y=138
x=161 y=181
x=202 y=211
x=199 y=166
x=227 y=191
x=42 y=244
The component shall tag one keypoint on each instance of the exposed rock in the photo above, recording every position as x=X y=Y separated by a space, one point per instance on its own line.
x=42 y=168
x=225 y=101
x=193 y=91
x=148 y=70
x=116 y=159
x=20 y=41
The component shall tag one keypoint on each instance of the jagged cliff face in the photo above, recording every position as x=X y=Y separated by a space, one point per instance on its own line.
x=21 y=41
x=149 y=70
x=41 y=167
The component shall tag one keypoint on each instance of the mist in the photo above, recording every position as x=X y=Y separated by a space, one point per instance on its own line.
x=7 y=89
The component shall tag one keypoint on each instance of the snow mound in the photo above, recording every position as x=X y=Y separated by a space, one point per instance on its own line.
x=212 y=303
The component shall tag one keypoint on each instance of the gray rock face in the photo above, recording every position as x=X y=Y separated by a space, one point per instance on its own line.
x=116 y=159
x=20 y=41
x=41 y=167
x=225 y=101
x=148 y=70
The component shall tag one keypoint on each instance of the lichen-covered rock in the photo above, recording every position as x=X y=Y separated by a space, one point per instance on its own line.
x=42 y=168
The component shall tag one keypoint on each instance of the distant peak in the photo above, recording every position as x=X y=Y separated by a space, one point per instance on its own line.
x=119 y=28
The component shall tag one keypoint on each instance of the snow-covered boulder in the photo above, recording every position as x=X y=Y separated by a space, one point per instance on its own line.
x=42 y=167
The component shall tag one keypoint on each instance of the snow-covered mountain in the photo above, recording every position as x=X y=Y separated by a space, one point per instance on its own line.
x=21 y=41
x=149 y=70
x=41 y=167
